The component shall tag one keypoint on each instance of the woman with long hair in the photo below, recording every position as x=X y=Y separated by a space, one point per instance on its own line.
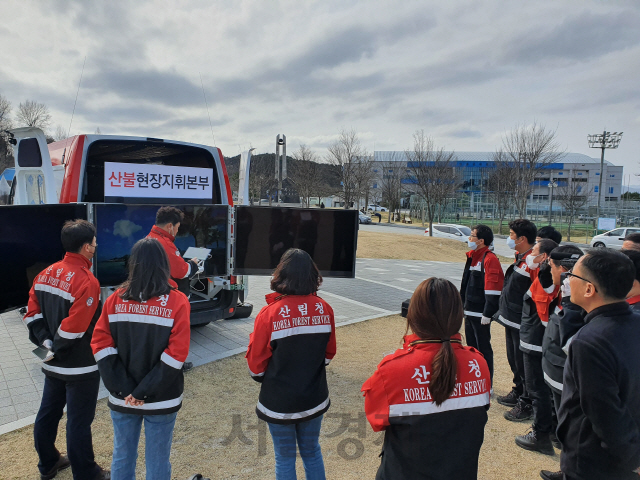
x=292 y=343
x=430 y=397
x=140 y=343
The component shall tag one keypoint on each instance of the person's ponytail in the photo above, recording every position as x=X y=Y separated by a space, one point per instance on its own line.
x=443 y=374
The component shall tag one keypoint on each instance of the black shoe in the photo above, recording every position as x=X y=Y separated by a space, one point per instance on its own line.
x=554 y=441
x=186 y=366
x=547 y=475
x=62 y=463
x=536 y=442
x=520 y=413
x=509 y=400
x=103 y=475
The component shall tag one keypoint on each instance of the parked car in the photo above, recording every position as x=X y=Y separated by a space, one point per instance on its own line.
x=449 y=230
x=364 y=218
x=376 y=208
x=612 y=238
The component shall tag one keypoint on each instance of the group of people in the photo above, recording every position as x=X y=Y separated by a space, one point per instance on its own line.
x=571 y=342
x=569 y=319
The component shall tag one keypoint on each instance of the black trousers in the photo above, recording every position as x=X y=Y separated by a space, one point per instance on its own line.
x=479 y=337
x=538 y=392
x=516 y=362
x=80 y=397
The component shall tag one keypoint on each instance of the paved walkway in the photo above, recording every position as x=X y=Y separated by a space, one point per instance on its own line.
x=378 y=290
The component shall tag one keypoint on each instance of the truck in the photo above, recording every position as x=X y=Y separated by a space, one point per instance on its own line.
x=119 y=182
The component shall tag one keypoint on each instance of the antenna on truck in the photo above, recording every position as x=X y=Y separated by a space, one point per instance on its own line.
x=208 y=114
x=74 y=109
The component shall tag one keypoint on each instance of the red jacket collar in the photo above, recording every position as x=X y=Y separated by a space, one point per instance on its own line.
x=158 y=231
x=412 y=337
x=272 y=298
x=77 y=259
x=633 y=300
x=477 y=253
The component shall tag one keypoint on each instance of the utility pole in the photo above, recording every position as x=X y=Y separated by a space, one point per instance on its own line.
x=603 y=141
x=281 y=163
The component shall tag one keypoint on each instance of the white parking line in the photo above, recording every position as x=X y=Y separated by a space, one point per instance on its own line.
x=385 y=284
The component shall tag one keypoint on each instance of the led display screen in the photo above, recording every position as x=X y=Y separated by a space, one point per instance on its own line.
x=119 y=226
x=30 y=242
x=263 y=234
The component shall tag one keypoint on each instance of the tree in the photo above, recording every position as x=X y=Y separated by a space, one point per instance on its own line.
x=261 y=177
x=33 y=114
x=305 y=174
x=391 y=183
x=573 y=196
x=351 y=158
x=6 y=157
x=60 y=133
x=432 y=173
x=501 y=183
x=529 y=150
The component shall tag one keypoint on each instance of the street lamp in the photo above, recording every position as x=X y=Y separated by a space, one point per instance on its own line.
x=552 y=185
x=603 y=140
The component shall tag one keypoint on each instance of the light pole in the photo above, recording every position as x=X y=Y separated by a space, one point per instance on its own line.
x=603 y=140
x=552 y=185
x=281 y=163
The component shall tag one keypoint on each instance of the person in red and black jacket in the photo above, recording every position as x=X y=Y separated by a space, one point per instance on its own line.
x=62 y=312
x=482 y=283
x=431 y=397
x=293 y=341
x=633 y=298
x=168 y=221
x=140 y=344
x=517 y=280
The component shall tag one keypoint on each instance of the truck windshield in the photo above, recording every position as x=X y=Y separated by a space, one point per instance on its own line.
x=142 y=152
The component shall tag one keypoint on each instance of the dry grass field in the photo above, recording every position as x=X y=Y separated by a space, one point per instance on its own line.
x=217 y=393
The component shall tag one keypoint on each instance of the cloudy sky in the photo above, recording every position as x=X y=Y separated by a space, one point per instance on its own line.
x=464 y=71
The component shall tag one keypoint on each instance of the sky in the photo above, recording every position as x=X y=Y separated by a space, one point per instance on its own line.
x=465 y=72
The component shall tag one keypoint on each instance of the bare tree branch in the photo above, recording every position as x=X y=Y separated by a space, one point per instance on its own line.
x=33 y=114
x=348 y=154
x=502 y=184
x=573 y=196
x=391 y=182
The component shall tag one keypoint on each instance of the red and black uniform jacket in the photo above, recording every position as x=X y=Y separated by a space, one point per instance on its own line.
x=538 y=303
x=635 y=303
x=63 y=307
x=422 y=440
x=293 y=340
x=140 y=348
x=482 y=283
x=517 y=280
x=180 y=268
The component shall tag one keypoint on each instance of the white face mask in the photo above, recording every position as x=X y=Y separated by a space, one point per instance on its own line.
x=530 y=262
x=472 y=245
x=511 y=243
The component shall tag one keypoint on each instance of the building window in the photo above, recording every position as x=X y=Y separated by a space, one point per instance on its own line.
x=376 y=171
x=612 y=176
x=610 y=199
x=597 y=174
x=375 y=185
x=610 y=189
x=579 y=173
x=579 y=189
x=595 y=189
x=560 y=173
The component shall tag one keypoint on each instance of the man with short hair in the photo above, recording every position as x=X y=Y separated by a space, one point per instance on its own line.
x=550 y=233
x=631 y=242
x=517 y=280
x=482 y=283
x=599 y=417
x=633 y=297
x=61 y=314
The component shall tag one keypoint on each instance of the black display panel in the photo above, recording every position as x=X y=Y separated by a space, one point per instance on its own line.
x=30 y=242
x=119 y=226
x=263 y=234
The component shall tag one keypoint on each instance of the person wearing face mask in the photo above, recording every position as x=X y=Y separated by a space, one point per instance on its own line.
x=481 y=286
x=517 y=280
x=64 y=306
x=168 y=221
x=599 y=416
x=633 y=298
x=565 y=320
x=538 y=301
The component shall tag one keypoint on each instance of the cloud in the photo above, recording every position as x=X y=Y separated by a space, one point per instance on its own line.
x=125 y=228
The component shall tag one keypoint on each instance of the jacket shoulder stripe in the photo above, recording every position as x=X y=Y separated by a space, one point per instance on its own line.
x=287 y=332
x=427 y=408
x=290 y=416
x=522 y=271
x=552 y=382
x=174 y=402
x=55 y=291
x=68 y=370
x=136 y=318
x=28 y=320
x=528 y=346
x=69 y=335
x=105 y=352
x=169 y=360
x=477 y=267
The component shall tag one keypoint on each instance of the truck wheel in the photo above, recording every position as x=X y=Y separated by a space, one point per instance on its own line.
x=599 y=245
x=242 y=311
